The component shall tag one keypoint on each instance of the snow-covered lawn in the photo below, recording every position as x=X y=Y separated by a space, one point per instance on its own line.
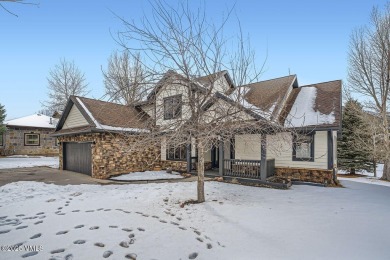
x=22 y=161
x=368 y=178
x=147 y=175
x=236 y=222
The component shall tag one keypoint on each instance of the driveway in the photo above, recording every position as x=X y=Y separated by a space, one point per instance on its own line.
x=46 y=175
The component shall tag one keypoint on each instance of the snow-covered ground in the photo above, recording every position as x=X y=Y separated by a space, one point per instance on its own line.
x=22 y=161
x=236 y=222
x=147 y=175
x=368 y=178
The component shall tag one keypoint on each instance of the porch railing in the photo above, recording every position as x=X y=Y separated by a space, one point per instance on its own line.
x=242 y=168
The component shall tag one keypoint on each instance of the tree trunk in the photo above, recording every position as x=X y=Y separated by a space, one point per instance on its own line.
x=352 y=171
x=374 y=163
x=201 y=197
x=386 y=170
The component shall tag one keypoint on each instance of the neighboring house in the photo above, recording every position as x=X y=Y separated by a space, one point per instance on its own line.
x=313 y=111
x=30 y=135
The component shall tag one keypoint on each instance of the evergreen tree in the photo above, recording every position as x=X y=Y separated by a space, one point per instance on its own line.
x=353 y=154
x=2 y=117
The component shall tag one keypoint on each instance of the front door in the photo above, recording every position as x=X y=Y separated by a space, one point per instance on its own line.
x=214 y=157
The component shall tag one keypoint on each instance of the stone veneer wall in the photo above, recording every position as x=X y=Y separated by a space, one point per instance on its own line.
x=181 y=166
x=307 y=175
x=13 y=142
x=111 y=155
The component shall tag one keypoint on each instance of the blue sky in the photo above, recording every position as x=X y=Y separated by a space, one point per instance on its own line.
x=307 y=38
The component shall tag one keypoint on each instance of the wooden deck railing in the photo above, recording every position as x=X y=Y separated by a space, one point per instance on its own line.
x=242 y=168
x=247 y=168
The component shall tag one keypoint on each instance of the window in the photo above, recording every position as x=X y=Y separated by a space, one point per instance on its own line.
x=176 y=152
x=1 y=140
x=172 y=107
x=31 y=140
x=303 y=148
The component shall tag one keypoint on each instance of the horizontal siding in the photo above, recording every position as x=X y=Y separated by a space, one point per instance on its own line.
x=282 y=151
x=335 y=148
x=247 y=147
x=74 y=119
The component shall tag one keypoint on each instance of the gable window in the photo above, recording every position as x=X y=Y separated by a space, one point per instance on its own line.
x=176 y=152
x=1 y=140
x=172 y=107
x=31 y=139
x=303 y=147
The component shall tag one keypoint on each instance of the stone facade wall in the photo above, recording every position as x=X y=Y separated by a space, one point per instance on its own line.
x=111 y=154
x=181 y=166
x=307 y=175
x=13 y=142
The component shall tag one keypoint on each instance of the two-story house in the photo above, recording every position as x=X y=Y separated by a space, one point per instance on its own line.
x=96 y=136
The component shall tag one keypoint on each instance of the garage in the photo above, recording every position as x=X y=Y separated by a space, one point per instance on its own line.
x=77 y=157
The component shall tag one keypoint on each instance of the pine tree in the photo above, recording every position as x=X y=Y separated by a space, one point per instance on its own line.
x=353 y=154
x=2 y=118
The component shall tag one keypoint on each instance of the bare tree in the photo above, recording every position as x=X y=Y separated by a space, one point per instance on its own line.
x=181 y=46
x=369 y=71
x=16 y=2
x=125 y=79
x=64 y=80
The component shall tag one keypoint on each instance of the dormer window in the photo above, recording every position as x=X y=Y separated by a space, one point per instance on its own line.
x=172 y=107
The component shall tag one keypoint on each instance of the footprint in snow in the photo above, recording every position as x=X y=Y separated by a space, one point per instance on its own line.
x=40 y=213
x=131 y=256
x=66 y=205
x=61 y=214
x=162 y=221
x=51 y=200
x=155 y=217
x=193 y=256
x=76 y=210
x=182 y=228
x=42 y=217
x=199 y=239
x=94 y=227
x=29 y=254
x=21 y=227
x=179 y=218
x=99 y=209
x=56 y=251
x=38 y=222
x=174 y=223
x=209 y=246
x=125 y=211
x=99 y=244
x=141 y=229
x=36 y=236
x=131 y=235
x=197 y=232
x=107 y=254
x=124 y=244
x=127 y=229
x=113 y=227
x=78 y=226
x=19 y=215
x=107 y=210
x=62 y=232
x=89 y=210
x=68 y=257
x=5 y=231
x=79 y=242
x=59 y=208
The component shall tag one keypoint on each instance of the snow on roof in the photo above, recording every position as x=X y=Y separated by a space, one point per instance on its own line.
x=238 y=96
x=302 y=112
x=36 y=120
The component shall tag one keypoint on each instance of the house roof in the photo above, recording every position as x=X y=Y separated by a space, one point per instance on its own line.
x=204 y=81
x=267 y=96
x=35 y=120
x=104 y=116
x=315 y=105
